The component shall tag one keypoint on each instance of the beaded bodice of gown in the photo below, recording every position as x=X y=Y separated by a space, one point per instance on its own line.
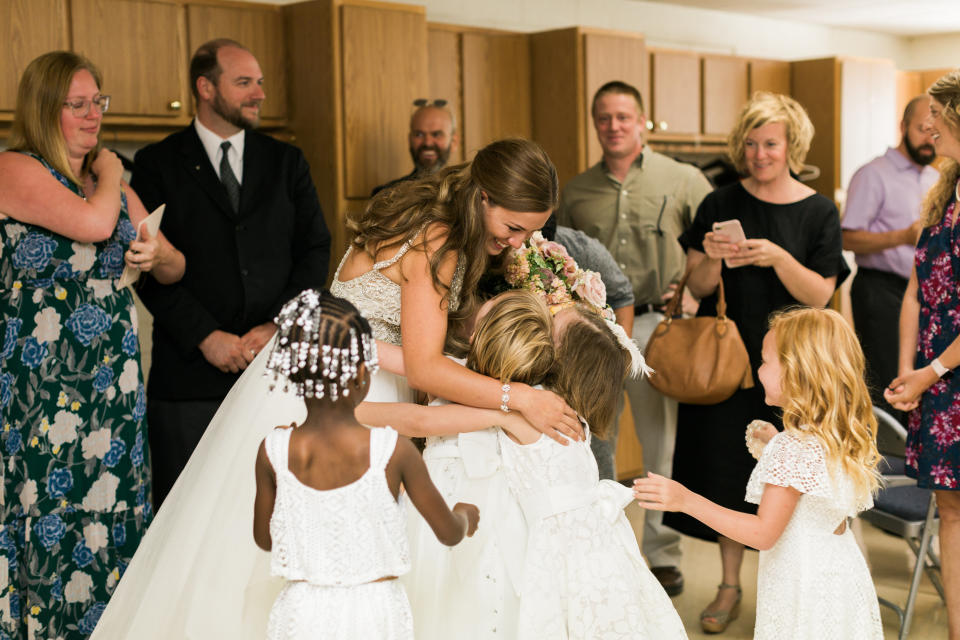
x=361 y=523
x=377 y=297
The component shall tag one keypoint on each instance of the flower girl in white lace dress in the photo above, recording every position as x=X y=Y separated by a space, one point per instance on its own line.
x=583 y=575
x=326 y=504
x=813 y=582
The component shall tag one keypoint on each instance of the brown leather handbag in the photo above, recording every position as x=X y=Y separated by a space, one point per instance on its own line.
x=698 y=360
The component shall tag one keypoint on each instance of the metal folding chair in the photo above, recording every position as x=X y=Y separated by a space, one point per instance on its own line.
x=903 y=509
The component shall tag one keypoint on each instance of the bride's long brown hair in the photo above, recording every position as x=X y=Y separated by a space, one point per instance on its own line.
x=515 y=174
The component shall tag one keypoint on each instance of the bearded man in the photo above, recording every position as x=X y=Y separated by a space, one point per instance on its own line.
x=433 y=135
x=881 y=225
x=242 y=208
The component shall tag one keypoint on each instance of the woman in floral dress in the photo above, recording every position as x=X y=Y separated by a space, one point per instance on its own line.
x=76 y=494
x=930 y=344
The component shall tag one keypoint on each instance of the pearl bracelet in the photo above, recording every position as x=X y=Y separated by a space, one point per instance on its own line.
x=938 y=367
x=505 y=398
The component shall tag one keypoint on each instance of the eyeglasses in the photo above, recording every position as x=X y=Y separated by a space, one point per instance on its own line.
x=80 y=108
x=423 y=102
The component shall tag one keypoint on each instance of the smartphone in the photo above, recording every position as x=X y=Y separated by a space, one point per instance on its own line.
x=733 y=230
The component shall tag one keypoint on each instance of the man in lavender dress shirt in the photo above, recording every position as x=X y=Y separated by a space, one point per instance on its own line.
x=881 y=226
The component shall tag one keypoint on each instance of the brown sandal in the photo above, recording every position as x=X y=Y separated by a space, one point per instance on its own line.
x=718 y=621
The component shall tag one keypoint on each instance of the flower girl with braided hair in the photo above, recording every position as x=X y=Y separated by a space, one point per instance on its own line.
x=326 y=502
x=809 y=480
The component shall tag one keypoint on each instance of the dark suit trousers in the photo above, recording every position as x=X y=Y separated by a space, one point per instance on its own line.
x=175 y=430
x=876 y=297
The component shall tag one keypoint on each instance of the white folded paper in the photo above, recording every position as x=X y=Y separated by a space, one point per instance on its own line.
x=152 y=223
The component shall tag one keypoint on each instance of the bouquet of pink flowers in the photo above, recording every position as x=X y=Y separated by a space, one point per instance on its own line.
x=545 y=267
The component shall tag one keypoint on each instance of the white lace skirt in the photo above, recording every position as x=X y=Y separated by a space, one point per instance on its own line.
x=377 y=610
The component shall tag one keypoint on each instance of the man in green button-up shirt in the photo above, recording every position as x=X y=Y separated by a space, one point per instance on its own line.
x=637 y=202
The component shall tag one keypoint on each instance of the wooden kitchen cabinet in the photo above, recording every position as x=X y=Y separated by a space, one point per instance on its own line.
x=496 y=88
x=770 y=75
x=380 y=84
x=568 y=66
x=725 y=89
x=27 y=29
x=141 y=49
x=675 y=93
x=260 y=29
x=851 y=103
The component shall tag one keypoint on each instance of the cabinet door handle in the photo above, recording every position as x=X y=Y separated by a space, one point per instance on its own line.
x=662 y=126
x=174 y=105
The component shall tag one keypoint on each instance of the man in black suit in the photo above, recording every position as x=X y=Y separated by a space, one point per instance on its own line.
x=242 y=208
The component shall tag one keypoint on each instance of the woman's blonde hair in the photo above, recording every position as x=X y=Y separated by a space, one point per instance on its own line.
x=946 y=91
x=43 y=90
x=823 y=390
x=514 y=341
x=514 y=174
x=763 y=108
x=591 y=366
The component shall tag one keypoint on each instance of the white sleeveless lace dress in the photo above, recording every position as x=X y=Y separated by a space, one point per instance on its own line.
x=470 y=591
x=813 y=584
x=332 y=545
x=197 y=573
x=584 y=577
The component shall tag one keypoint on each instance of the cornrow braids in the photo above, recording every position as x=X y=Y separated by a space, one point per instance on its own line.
x=321 y=342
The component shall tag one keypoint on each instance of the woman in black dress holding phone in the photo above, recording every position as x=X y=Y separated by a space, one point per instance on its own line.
x=791 y=256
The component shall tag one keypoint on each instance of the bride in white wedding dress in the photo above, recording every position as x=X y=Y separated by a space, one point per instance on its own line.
x=412 y=270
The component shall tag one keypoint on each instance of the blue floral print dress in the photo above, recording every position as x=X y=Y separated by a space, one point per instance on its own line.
x=75 y=466
x=933 y=433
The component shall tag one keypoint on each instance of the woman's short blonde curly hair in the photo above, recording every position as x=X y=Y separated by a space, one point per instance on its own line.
x=763 y=108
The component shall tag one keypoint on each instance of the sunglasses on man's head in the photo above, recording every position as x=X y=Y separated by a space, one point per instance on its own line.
x=423 y=102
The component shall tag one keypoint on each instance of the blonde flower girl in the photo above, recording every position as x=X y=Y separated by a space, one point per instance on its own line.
x=813 y=582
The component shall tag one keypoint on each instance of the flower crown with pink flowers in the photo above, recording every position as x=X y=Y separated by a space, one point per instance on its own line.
x=545 y=267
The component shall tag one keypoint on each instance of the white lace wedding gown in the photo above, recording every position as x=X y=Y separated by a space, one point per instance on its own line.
x=813 y=584
x=197 y=574
x=583 y=575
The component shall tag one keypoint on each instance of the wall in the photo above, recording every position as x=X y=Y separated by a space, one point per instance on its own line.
x=932 y=52
x=665 y=25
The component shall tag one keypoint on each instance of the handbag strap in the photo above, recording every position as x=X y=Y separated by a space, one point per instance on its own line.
x=677 y=300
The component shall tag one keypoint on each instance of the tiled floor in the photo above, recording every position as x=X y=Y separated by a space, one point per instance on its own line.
x=889 y=557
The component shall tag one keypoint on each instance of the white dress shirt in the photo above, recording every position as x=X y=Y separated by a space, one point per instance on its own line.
x=211 y=144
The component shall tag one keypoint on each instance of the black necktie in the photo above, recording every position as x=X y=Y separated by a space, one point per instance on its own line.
x=228 y=178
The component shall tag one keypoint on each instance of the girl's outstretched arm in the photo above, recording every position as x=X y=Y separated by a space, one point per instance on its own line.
x=407 y=467
x=263 y=503
x=759 y=531
x=417 y=421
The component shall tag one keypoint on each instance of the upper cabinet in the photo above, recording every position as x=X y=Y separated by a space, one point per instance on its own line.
x=770 y=75
x=141 y=49
x=675 y=92
x=380 y=84
x=725 y=87
x=568 y=66
x=852 y=103
x=258 y=28
x=496 y=88
x=29 y=28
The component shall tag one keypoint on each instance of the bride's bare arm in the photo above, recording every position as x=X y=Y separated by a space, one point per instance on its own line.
x=417 y=421
x=423 y=324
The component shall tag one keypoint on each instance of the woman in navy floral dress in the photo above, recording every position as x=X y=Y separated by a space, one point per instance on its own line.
x=928 y=383
x=76 y=494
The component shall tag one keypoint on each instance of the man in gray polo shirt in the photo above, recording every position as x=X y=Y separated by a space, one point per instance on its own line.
x=637 y=203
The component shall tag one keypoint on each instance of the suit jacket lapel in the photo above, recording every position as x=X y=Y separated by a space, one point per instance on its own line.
x=198 y=165
x=254 y=171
